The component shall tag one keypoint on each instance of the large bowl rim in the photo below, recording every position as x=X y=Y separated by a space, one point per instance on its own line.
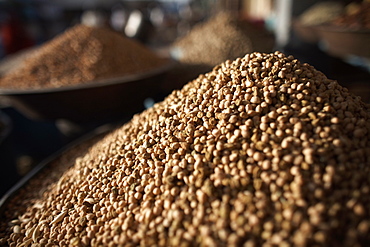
x=101 y=130
x=7 y=122
x=91 y=84
x=339 y=29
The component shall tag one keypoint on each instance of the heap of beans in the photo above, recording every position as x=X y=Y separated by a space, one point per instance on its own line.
x=261 y=151
x=212 y=42
x=321 y=12
x=80 y=55
x=357 y=16
x=221 y=37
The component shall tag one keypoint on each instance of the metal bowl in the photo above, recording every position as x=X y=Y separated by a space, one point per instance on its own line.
x=5 y=126
x=96 y=100
x=306 y=32
x=58 y=159
x=342 y=42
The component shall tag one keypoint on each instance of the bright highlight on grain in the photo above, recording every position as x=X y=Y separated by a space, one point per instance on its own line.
x=261 y=151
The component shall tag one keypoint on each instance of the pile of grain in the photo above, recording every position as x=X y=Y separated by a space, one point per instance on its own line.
x=212 y=42
x=80 y=55
x=356 y=17
x=222 y=37
x=261 y=151
x=321 y=13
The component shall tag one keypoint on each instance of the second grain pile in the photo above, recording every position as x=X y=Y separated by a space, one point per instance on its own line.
x=221 y=37
x=262 y=150
x=80 y=55
x=212 y=42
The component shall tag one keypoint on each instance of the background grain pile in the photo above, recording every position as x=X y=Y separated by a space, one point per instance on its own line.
x=261 y=151
x=79 y=55
x=356 y=17
x=209 y=43
x=321 y=13
x=212 y=42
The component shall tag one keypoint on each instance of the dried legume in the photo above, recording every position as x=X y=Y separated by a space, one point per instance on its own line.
x=80 y=55
x=198 y=170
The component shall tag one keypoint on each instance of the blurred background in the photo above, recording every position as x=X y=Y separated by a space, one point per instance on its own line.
x=333 y=36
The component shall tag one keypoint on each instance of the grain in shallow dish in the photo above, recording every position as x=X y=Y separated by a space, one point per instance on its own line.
x=261 y=151
x=80 y=55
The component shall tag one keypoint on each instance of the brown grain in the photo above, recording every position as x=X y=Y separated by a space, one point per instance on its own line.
x=194 y=171
x=80 y=55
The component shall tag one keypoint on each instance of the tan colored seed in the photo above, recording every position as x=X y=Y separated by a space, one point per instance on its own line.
x=59 y=217
x=261 y=151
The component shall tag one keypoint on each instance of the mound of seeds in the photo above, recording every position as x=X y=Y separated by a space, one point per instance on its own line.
x=261 y=151
x=209 y=43
x=80 y=55
x=357 y=17
x=212 y=42
x=321 y=12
